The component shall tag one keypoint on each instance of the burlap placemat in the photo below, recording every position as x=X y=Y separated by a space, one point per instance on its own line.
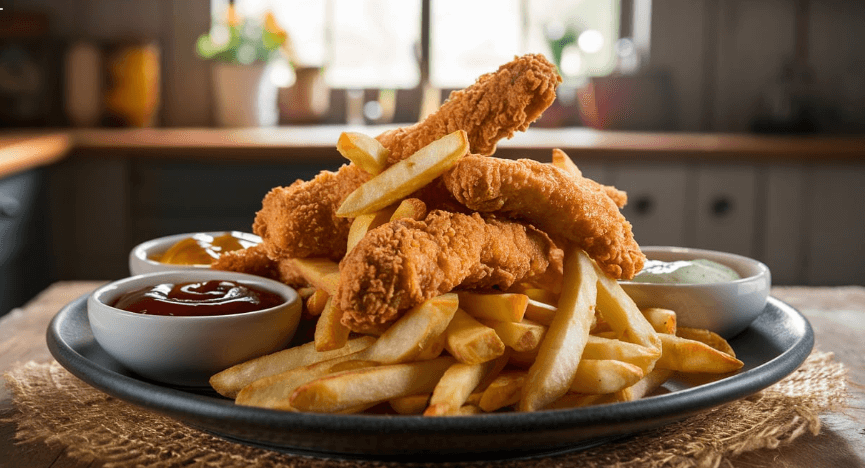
x=56 y=408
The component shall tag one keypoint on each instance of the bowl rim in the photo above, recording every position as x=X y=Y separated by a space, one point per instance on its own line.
x=288 y=293
x=762 y=268
x=140 y=251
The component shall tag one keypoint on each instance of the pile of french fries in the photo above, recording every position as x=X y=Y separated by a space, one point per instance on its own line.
x=465 y=353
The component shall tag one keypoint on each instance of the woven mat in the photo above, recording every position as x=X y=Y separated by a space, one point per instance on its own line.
x=56 y=408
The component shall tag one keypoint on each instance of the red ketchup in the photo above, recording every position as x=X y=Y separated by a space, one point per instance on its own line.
x=214 y=297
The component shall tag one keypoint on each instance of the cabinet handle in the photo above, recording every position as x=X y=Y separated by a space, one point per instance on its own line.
x=9 y=207
x=721 y=206
x=644 y=205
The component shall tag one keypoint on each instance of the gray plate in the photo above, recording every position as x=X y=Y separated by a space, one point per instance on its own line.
x=771 y=348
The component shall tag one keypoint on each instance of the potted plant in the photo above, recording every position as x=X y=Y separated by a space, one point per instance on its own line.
x=242 y=51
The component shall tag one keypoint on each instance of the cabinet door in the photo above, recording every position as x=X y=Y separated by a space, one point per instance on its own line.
x=657 y=198
x=836 y=226
x=726 y=205
x=783 y=240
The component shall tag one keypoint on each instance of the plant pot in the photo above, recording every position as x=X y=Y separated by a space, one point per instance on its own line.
x=244 y=95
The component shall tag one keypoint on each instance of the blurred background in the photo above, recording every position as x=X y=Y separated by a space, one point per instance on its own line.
x=733 y=125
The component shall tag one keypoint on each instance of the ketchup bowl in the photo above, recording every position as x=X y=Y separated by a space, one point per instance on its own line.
x=725 y=307
x=186 y=350
x=144 y=257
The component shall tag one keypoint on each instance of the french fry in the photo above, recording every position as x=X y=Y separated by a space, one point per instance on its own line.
x=330 y=333
x=411 y=404
x=708 y=337
x=433 y=348
x=602 y=376
x=470 y=341
x=685 y=355
x=320 y=272
x=406 y=176
x=520 y=336
x=366 y=152
x=559 y=353
x=506 y=307
x=598 y=347
x=542 y=295
x=316 y=302
x=619 y=310
x=468 y=410
x=410 y=208
x=503 y=391
x=230 y=381
x=402 y=342
x=662 y=320
x=540 y=312
x=648 y=384
x=344 y=390
x=367 y=222
x=455 y=386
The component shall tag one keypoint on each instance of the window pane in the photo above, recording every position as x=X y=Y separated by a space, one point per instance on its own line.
x=373 y=44
x=471 y=37
x=578 y=35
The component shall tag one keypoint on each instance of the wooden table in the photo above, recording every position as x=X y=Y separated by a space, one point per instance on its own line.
x=836 y=314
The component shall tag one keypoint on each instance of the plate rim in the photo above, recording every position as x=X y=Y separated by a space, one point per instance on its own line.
x=182 y=405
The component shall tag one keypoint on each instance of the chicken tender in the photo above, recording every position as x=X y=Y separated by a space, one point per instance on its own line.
x=405 y=262
x=559 y=203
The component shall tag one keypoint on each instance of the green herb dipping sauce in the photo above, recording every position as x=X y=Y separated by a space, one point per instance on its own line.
x=698 y=271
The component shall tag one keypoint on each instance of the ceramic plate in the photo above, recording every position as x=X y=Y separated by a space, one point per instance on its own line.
x=772 y=347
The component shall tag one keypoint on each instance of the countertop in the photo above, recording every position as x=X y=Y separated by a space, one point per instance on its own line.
x=21 y=150
x=836 y=314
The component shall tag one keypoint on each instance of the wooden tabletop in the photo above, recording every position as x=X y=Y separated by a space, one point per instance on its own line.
x=836 y=314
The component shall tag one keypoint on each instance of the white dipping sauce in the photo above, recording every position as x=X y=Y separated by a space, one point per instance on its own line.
x=698 y=271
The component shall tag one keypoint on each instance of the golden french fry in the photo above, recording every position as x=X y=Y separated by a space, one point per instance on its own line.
x=411 y=404
x=602 y=376
x=304 y=293
x=540 y=312
x=520 y=336
x=410 y=208
x=402 y=342
x=662 y=320
x=619 y=310
x=542 y=295
x=503 y=391
x=433 y=348
x=320 y=272
x=559 y=353
x=330 y=333
x=563 y=161
x=506 y=307
x=344 y=390
x=406 y=176
x=470 y=341
x=685 y=355
x=598 y=347
x=316 y=302
x=455 y=386
x=468 y=410
x=366 y=152
x=367 y=222
x=648 y=384
x=708 y=337
x=230 y=381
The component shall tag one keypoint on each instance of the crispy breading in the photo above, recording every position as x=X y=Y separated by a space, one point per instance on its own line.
x=557 y=202
x=300 y=220
x=252 y=260
x=404 y=262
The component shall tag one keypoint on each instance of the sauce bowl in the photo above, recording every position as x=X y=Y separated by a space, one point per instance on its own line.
x=140 y=258
x=187 y=351
x=726 y=307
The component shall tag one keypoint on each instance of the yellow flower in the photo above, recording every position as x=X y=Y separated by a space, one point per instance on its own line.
x=271 y=25
x=232 y=17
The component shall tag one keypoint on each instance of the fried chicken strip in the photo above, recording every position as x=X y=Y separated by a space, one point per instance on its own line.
x=405 y=262
x=298 y=221
x=254 y=261
x=559 y=203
